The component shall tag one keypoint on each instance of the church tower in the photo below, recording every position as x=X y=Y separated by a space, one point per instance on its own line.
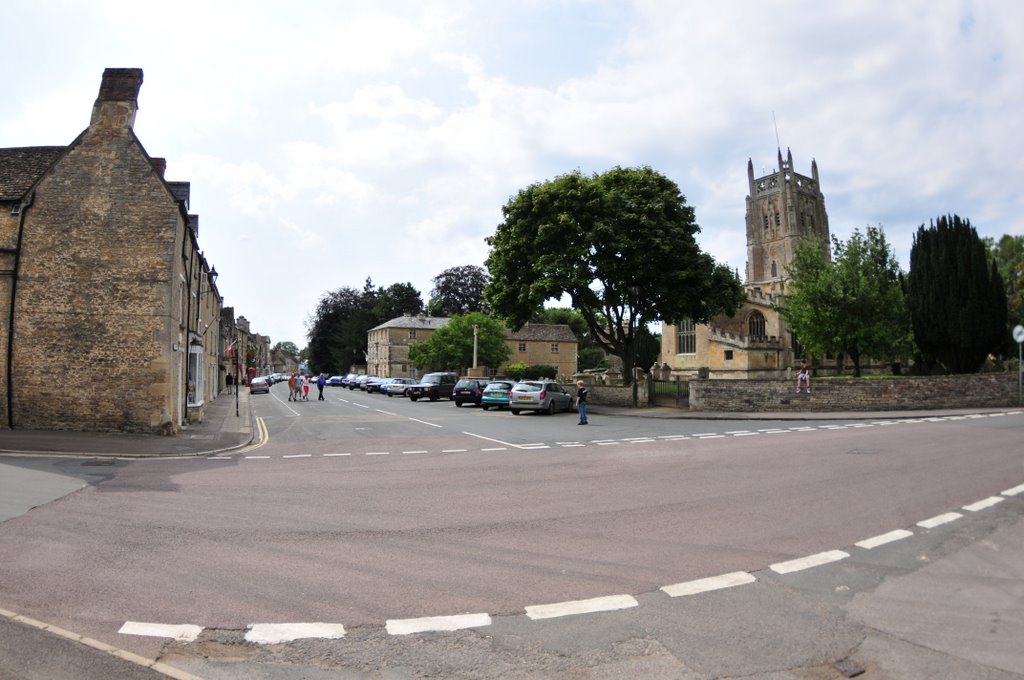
x=782 y=208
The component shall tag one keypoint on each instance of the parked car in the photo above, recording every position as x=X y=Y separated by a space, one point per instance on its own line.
x=353 y=383
x=334 y=381
x=468 y=391
x=398 y=386
x=364 y=380
x=496 y=394
x=433 y=386
x=257 y=385
x=545 y=396
x=347 y=378
x=376 y=384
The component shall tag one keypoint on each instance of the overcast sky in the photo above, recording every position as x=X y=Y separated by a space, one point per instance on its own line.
x=327 y=142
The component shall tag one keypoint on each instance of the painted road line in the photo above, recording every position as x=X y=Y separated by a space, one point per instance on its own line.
x=862 y=425
x=703 y=434
x=802 y=428
x=939 y=520
x=387 y=413
x=598 y=604
x=533 y=447
x=574 y=445
x=608 y=443
x=639 y=441
x=277 y=633
x=747 y=434
x=492 y=440
x=453 y=450
x=709 y=436
x=833 y=427
x=185 y=632
x=361 y=405
x=331 y=455
x=808 y=562
x=704 y=585
x=298 y=455
x=1014 y=491
x=377 y=453
x=423 y=422
x=256 y=457
x=437 y=623
x=218 y=458
x=875 y=541
x=982 y=504
x=738 y=432
x=417 y=451
x=496 y=448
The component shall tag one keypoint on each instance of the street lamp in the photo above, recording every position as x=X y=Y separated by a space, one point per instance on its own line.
x=476 y=336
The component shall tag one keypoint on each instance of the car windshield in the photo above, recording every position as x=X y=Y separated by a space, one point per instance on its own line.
x=498 y=386
x=528 y=387
x=467 y=383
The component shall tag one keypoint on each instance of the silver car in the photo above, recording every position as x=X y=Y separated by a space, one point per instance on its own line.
x=546 y=396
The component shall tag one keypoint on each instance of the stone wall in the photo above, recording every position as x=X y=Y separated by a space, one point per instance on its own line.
x=865 y=394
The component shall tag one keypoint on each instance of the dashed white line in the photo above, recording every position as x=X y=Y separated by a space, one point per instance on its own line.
x=597 y=604
x=256 y=457
x=436 y=623
x=377 y=453
x=423 y=422
x=417 y=451
x=298 y=455
x=875 y=541
x=388 y=413
x=453 y=450
x=330 y=455
x=277 y=633
x=985 y=503
x=704 y=585
x=182 y=633
x=808 y=562
x=939 y=520
x=1014 y=491
x=496 y=448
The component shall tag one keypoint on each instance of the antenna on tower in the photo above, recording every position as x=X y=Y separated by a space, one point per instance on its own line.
x=778 y=144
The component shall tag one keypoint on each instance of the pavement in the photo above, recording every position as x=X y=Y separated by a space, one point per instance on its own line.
x=228 y=425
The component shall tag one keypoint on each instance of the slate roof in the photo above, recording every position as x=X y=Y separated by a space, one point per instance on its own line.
x=21 y=167
x=543 y=331
x=431 y=322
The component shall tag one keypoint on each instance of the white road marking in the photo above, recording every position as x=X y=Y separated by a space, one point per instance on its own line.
x=747 y=434
x=437 y=623
x=389 y=413
x=639 y=441
x=218 y=458
x=298 y=455
x=607 y=443
x=277 y=633
x=808 y=562
x=420 y=451
x=710 y=436
x=496 y=448
x=982 y=504
x=453 y=450
x=256 y=457
x=597 y=604
x=704 y=585
x=875 y=541
x=361 y=405
x=423 y=422
x=377 y=453
x=329 y=455
x=939 y=520
x=735 y=432
x=182 y=633
x=1014 y=491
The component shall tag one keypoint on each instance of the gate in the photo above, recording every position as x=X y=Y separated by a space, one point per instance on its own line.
x=674 y=393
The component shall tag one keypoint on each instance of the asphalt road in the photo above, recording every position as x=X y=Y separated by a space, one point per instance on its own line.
x=372 y=512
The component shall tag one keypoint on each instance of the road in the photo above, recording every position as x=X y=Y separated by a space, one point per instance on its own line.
x=387 y=519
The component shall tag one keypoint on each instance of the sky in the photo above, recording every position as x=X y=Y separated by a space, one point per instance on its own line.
x=328 y=142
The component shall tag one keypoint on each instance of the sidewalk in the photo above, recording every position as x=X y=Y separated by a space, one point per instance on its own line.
x=679 y=414
x=221 y=431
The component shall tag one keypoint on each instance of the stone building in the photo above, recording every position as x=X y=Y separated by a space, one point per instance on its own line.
x=783 y=207
x=388 y=346
x=111 y=316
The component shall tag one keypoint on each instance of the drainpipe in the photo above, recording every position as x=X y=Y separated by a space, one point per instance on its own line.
x=26 y=203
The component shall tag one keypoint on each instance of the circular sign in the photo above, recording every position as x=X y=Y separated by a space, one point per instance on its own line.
x=1018 y=333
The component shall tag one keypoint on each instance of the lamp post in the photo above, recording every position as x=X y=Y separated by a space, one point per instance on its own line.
x=476 y=336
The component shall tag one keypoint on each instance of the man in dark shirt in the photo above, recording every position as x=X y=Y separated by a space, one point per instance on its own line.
x=581 y=401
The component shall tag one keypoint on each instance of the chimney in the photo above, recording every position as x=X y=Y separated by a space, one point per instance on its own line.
x=117 y=102
x=160 y=165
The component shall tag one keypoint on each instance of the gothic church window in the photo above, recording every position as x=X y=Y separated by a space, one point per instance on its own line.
x=756 y=322
x=687 y=337
x=775 y=269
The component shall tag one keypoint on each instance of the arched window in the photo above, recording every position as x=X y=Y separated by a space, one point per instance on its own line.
x=687 y=337
x=775 y=269
x=756 y=324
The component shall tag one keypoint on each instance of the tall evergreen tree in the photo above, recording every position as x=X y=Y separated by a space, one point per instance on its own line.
x=956 y=296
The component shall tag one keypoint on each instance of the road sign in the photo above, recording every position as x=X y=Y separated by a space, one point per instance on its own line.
x=1018 y=333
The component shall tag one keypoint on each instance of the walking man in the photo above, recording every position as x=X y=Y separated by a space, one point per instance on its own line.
x=320 y=382
x=291 y=387
x=581 y=401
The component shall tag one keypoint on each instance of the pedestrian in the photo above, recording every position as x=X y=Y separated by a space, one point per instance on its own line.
x=291 y=387
x=305 y=388
x=320 y=382
x=581 y=401
x=230 y=380
x=803 y=376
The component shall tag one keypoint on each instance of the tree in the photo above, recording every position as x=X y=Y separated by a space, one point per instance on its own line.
x=337 y=329
x=620 y=244
x=854 y=304
x=956 y=296
x=451 y=346
x=286 y=346
x=458 y=290
x=1008 y=253
x=398 y=299
x=588 y=353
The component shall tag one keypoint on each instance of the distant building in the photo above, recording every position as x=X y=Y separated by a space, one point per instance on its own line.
x=783 y=207
x=111 y=316
x=388 y=346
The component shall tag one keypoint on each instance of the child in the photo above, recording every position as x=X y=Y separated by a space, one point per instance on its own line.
x=305 y=388
x=803 y=376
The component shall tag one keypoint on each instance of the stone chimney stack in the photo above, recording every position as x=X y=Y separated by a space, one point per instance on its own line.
x=118 y=99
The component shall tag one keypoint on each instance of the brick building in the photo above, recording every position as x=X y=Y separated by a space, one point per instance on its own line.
x=111 y=317
x=388 y=346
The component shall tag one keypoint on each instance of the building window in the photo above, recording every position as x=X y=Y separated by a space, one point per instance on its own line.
x=756 y=323
x=522 y=347
x=728 y=355
x=554 y=348
x=195 y=373
x=412 y=334
x=687 y=337
x=775 y=269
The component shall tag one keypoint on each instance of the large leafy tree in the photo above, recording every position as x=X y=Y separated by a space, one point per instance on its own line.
x=956 y=295
x=853 y=304
x=458 y=290
x=286 y=346
x=621 y=245
x=589 y=354
x=1008 y=253
x=398 y=299
x=451 y=346
x=337 y=329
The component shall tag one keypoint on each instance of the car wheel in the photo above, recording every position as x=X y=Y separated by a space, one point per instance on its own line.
x=390 y=395
x=551 y=408
x=414 y=398
x=516 y=411
x=484 y=406
x=459 y=404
